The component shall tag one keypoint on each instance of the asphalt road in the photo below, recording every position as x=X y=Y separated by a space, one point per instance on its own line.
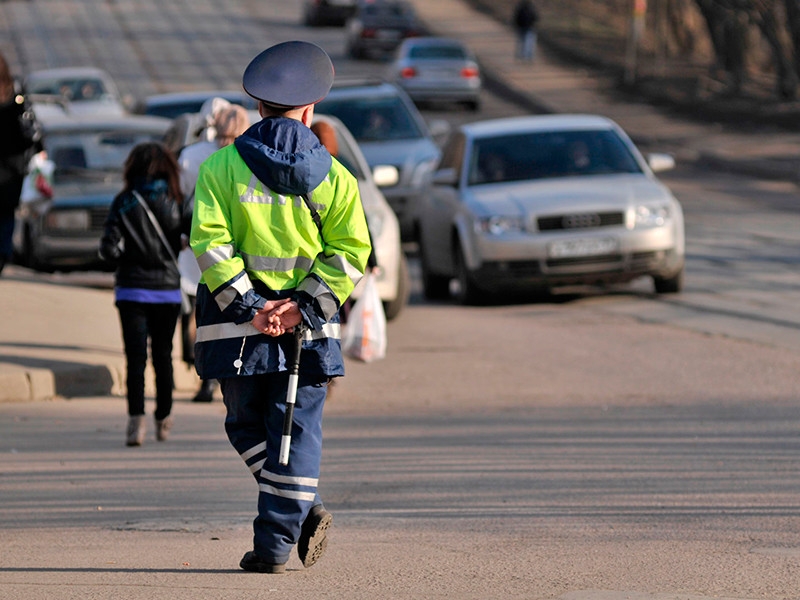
x=599 y=447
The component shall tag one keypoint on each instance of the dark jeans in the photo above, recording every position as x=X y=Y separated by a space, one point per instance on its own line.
x=157 y=322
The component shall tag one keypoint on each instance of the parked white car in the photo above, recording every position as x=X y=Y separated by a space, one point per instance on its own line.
x=83 y=90
x=539 y=202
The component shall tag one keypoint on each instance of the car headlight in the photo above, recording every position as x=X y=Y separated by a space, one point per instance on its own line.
x=651 y=216
x=495 y=225
x=423 y=171
x=75 y=220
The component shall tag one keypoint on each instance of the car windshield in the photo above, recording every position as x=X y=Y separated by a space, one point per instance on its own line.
x=436 y=52
x=373 y=119
x=74 y=90
x=387 y=9
x=89 y=154
x=549 y=154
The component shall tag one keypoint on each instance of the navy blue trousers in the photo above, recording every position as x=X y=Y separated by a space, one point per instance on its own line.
x=254 y=423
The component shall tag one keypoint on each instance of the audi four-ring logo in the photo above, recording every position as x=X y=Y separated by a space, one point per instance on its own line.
x=580 y=221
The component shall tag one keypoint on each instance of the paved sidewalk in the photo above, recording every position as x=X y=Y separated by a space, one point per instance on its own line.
x=51 y=349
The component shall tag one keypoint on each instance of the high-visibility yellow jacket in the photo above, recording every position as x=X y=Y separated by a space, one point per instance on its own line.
x=255 y=240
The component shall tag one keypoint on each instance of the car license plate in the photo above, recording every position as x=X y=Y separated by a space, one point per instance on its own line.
x=581 y=247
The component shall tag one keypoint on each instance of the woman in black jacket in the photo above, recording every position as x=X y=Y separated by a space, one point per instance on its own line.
x=143 y=234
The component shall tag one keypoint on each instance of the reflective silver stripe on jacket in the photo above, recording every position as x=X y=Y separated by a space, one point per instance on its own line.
x=215 y=256
x=274 y=264
x=223 y=331
x=238 y=288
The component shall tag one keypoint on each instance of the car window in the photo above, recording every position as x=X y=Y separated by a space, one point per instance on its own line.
x=436 y=52
x=373 y=119
x=544 y=155
x=387 y=9
x=75 y=90
x=92 y=151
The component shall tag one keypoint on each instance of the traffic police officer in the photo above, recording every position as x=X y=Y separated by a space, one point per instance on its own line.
x=281 y=239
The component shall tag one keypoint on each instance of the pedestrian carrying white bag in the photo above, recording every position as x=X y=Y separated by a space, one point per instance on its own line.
x=364 y=335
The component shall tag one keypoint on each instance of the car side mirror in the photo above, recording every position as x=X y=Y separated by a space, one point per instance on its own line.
x=385 y=175
x=445 y=177
x=660 y=162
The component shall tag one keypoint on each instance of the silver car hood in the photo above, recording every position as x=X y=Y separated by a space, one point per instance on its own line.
x=573 y=194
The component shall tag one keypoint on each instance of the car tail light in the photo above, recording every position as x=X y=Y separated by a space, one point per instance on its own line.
x=408 y=73
x=367 y=33
x=469 y=72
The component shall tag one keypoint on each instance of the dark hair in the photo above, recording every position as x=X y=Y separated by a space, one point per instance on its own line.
x=150 y=161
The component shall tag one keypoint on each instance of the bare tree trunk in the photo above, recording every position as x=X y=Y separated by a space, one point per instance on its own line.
x=793 y=25
x=786 y=78
x=727 y=27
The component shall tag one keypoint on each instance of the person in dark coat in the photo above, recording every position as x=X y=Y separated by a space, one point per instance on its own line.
x=525 y=19
x=142 y=236
x=20 y=140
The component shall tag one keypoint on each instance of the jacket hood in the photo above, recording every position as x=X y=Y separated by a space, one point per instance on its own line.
x=284 y=155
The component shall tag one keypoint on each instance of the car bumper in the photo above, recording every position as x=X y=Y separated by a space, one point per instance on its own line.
x=432 y=92
x=78 y=253
x=529 y=261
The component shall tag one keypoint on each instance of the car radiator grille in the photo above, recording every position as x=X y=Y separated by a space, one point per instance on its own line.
x=580 y=221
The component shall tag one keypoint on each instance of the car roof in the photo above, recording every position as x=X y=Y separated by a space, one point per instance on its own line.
x=533 y=123
x=57 y=123
x=170 y=97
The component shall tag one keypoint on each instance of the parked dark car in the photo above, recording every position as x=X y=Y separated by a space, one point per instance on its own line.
x=63 y=233
x=318 y=13
x=378 y=27
x=174 y=104
x=391 y=132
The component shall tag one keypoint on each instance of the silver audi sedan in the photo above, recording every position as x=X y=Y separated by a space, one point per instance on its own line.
x=539 y=202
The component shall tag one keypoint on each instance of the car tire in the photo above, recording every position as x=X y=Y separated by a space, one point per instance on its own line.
x=668 y=285
x=393 y=308
x=467 y=293
x=434 y=287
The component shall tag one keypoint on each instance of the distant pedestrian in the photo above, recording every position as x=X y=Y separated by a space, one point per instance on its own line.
x=19 y=142
x=224 y=123
x=142 y=237
x=525 y=19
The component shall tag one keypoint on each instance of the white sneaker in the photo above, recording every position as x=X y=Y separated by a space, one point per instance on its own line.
x=136 y=431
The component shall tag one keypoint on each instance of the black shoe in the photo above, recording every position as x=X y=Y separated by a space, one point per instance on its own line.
x=313 y=539
x=206 y=392
x=253 y=562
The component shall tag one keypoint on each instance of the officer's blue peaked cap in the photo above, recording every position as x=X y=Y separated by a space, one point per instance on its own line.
x=289 y=75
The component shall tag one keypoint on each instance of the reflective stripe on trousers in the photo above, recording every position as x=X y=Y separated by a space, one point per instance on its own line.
x=254 y=422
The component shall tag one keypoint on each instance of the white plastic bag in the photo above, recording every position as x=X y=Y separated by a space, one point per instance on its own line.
x=364 y=335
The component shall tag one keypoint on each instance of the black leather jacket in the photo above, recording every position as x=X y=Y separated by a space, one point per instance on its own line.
x=131 y=243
